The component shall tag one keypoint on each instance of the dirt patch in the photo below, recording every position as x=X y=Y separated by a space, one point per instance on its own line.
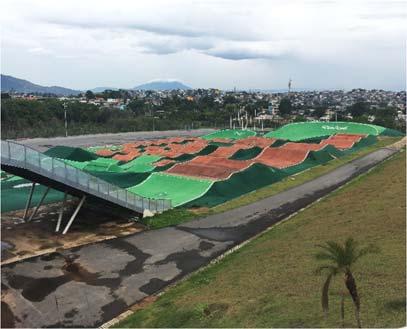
x=400 y=144
x=144 y=303
x=38 y=236
x=200 y=210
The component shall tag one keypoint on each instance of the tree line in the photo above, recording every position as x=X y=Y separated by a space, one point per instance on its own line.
x=45 y=118
x=361 y=112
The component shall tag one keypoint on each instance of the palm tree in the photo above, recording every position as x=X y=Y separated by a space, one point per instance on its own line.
x=340 y=259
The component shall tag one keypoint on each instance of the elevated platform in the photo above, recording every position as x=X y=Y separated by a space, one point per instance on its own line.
x=39 y=168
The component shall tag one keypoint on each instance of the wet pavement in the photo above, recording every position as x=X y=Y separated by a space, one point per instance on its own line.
x=89 y=285
x=43 y=144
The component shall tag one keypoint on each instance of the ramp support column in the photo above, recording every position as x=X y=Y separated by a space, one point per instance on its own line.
x=61 y=213
x=39 y=204
x=74 y=215
x=28 y=204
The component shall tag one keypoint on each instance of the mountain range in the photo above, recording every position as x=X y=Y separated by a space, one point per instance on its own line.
x=162 y=85
x=9 y=83
x=12 y=84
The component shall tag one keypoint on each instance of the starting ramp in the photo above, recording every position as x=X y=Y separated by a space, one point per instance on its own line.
x=24 y=161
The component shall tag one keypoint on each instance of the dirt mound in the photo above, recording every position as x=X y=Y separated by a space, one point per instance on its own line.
x=281 y=157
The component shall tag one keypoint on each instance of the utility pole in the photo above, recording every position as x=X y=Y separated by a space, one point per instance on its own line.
x=153 y=115
x=65 y=119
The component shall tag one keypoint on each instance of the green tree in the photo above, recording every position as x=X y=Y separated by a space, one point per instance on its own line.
x=358 y=109
x=319 y=111
x=137 y=106
x=299 y=118
x=89 y=95
x=285 y=107
x=339 y=261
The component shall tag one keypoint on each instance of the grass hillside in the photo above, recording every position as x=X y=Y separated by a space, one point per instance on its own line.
x=270 y=282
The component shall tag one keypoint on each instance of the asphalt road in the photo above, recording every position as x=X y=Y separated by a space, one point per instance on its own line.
x=89 y=285
x=42 y=144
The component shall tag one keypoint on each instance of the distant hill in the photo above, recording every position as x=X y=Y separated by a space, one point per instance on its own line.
x=102 y=89
x=9 y=84
x=162 y=85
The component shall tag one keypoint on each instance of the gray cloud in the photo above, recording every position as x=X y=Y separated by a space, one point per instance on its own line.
x=241 y=54
x=205 y=43
x=151 y=28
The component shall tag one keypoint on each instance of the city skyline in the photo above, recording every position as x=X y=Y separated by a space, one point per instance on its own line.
x=218 y=44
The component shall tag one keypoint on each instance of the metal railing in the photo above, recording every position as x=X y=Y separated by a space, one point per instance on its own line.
x=22 y=156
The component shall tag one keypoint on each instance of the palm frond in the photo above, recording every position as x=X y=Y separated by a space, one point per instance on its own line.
x=332 y=251
x=332 y=247
x=325 y=256
x=371 y=249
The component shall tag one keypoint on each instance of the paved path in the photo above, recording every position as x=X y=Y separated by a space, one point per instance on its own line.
x=42 y=144
x=89 y=285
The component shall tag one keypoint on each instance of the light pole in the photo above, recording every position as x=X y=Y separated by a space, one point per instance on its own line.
x=66 y=121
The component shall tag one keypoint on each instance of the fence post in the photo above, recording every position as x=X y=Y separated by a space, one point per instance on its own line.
x=25 y=157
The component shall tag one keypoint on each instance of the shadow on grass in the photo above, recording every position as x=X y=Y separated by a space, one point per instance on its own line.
x=396 y=305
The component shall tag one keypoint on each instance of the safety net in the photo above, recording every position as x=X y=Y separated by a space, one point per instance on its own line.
x=103 y=164
x=246 y=154
x=205 y=151
x=259 y=175
x=70 y=153
x=144 y=163
x=122 y=179
x=15 y=191
x=251 y=179
x=195 y=168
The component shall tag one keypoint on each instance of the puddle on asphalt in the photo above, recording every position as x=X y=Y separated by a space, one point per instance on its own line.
x=6 y=245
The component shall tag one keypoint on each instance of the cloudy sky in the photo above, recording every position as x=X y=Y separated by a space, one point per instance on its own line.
x=321 y=44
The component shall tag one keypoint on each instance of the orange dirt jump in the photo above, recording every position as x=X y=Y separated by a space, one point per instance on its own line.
x=261 y=142
x=281 y=157
x=106 y=152
x=342 y=141
x=209 y=167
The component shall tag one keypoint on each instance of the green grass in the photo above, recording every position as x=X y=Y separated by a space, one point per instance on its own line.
x=174 y=217
x=178 y=189
x=180 y=215
x=270 y=282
